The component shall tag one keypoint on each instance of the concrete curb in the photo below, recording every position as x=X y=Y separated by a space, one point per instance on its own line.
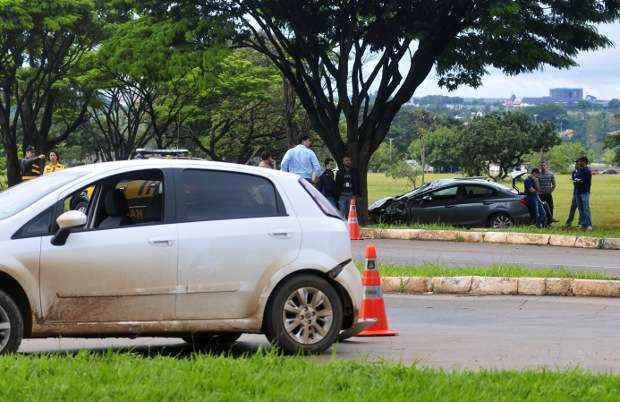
x=609 y=243
x=490 y=285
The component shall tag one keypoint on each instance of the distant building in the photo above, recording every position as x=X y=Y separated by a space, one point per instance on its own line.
x=566 y=94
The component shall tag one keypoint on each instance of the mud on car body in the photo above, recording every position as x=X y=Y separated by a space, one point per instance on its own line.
x=201 y=250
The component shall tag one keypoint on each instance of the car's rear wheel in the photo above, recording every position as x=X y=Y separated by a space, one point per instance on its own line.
x=501 y=221
x=11 y=325
x=304 y=316
x=213 y=338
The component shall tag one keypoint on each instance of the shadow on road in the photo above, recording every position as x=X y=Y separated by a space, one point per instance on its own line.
x=181 y=350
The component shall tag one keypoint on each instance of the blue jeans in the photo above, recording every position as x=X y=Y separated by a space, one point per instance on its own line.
x=583 y=204
x=344 y=203
x=537 y=210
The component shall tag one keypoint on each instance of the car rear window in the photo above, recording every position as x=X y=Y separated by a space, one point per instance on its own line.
x=209 y=195
x=323 y=203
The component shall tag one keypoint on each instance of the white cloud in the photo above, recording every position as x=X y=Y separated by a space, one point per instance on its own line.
x=598 y=73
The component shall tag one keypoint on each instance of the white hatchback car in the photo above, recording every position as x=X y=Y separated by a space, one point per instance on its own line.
x=201 y=250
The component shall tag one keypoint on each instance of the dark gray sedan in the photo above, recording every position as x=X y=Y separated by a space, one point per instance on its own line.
x=461 y=202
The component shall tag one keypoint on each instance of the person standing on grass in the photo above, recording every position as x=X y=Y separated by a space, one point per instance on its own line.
x=31 y=165
x=347 y=185
x=327 y=183
x=54 y=164
x=537 y=211
x=582 y=182
x=302 y=161
x=547 y=186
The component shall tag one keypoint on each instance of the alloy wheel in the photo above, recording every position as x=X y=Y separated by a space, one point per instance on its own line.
x=308 y=315
x=502 y=221
x=5 y=328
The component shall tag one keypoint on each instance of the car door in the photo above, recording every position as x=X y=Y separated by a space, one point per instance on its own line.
x=431 y=207
x=123 y=265
x=233 y=228
x=472 y=207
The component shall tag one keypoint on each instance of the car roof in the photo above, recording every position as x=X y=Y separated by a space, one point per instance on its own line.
x=98 y=168
x=465 y=180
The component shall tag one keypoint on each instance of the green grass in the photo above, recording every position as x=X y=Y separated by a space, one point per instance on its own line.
x=605 y=202
x=504 y=271
x=268 y=377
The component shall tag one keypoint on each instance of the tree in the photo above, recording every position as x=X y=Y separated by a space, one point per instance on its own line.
x=322 y=49
x=504 y=139
x=41 y=45
x=560 y=157
x=442 y=148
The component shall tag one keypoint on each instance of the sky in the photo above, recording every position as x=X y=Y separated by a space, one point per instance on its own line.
x=598 y=73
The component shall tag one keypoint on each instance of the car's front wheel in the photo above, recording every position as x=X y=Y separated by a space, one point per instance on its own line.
x=501 y=221
x=304 y=316
x=11 y=325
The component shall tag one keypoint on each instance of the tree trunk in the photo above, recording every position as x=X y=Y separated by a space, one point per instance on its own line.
x=13 y=170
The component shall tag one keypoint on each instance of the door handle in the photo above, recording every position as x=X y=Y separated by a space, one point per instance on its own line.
x=161 y=242
x=280 y=235
x=450 y=206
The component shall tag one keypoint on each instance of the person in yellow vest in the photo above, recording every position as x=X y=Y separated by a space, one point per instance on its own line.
x=31 y=165
x=54 y=164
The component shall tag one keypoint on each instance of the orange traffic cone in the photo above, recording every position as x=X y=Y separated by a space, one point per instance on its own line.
x=372 y=305
x=354 y=226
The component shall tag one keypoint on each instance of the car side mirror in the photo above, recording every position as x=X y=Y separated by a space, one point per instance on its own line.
x=67 y=221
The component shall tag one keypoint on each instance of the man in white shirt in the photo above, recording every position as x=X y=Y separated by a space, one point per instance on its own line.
x=302 y=161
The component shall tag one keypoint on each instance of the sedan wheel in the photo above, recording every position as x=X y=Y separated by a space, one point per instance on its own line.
x=304 y=316
x=11 y=325
x=307 y=316
x=501 y=221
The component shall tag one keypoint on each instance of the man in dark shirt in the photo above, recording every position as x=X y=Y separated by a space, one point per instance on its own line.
x=347 y=185
x=31 y=165
x=537 y=211
x=582 y=182
x=326 y=184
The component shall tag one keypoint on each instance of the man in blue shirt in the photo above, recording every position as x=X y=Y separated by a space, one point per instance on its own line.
x=302 y=161
x=535 y=204
x=582 y=182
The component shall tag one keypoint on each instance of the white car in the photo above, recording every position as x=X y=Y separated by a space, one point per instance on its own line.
x=200 y=250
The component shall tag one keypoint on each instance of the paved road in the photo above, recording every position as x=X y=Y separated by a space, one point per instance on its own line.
x=450 y=332
x=454 y=254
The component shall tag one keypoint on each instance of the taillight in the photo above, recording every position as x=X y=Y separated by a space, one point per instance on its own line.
x=523 y=201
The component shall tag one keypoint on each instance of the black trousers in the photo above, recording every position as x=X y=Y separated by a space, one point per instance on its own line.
x=548 y=198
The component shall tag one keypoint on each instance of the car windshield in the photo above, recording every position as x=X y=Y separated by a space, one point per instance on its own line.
x=420 y=189
x=20 y=197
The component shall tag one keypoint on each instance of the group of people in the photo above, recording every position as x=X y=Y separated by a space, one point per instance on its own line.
x=33 y=166
x=338 y=187
x=539 y=188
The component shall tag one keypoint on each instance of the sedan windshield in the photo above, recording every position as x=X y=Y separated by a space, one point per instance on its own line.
x=20 y=197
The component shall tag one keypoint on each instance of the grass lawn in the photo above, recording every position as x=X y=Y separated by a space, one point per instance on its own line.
x=268 y=377
x=504 y=271
x=604 y=202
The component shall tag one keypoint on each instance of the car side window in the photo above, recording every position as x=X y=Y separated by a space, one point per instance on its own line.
x=130 y=199
x=444 y=193
x=209 y=195
x=40 y=225
x=475 y=192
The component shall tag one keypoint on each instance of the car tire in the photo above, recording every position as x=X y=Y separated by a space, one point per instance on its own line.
x=11 y=325
x=312 y=319
x=501 y=221
x=212 y=338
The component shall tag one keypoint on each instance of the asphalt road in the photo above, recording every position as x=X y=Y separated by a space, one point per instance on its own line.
x=455 y=254
x=447 y=332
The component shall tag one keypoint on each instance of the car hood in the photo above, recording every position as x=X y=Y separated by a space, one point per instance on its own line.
x=380 y=203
